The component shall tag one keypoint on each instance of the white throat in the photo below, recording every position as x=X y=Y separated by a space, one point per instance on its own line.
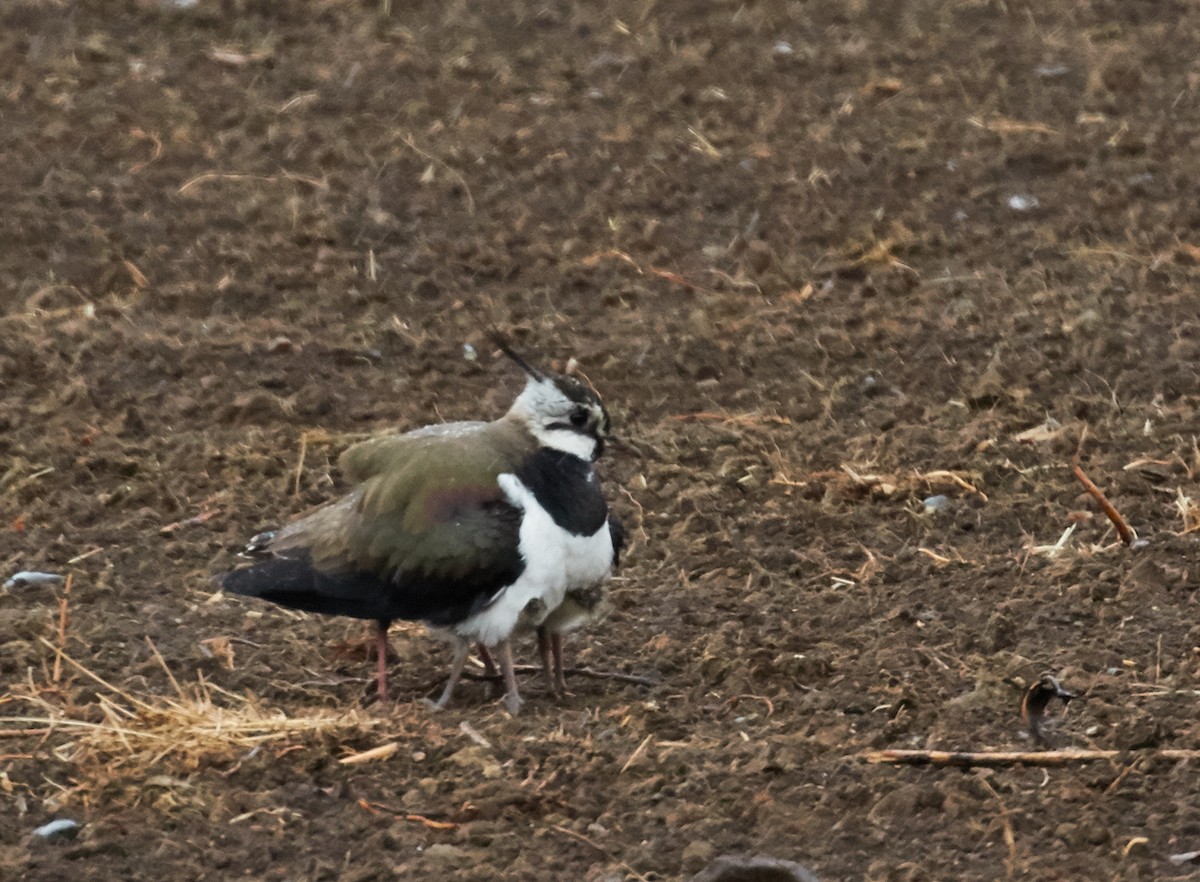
x=567 y=441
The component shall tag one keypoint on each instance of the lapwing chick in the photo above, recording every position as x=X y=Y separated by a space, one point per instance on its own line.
x=473 y=528
x=1035 y=701
x=580 y=608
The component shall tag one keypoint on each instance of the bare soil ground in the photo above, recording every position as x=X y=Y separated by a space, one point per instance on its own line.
x=824 y=260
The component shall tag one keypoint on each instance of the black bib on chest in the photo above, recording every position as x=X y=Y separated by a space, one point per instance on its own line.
x=566 y=487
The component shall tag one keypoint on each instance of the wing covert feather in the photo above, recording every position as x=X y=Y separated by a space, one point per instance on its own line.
x=429 y=500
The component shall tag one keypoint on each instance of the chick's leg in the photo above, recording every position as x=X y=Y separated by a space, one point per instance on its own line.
x=456 y=669
x=512 y=696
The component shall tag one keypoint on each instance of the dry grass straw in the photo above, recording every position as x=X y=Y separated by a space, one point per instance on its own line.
x=1007 y=758
x=1188 y=510
x=1010 y=839
x=201 y=723
x=453 y=172
x=320 y=436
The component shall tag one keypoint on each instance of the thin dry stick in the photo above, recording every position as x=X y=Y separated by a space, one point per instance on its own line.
x=1010 y=838
x=63 y=603
x=633 y=757
x=1158 y=660
x=613 y=675
x=300 y=463
x=225 y=176
x=60 y=725
x=1123 y=529
x=376 y=808
x=600 y=848
x=163 y=664
x=954 y=478
x=383 y=751
x=1079 y=447
x=1003 y=758
x=641 y=524
x=1116 y=782
x=582 y=672
x=466 y=190
x=94 y=676
x=319 y=436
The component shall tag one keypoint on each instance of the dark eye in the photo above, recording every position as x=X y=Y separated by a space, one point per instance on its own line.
x=579 y=417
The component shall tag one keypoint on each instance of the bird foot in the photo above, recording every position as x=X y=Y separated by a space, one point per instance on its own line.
x=513 y=702
x=559 y=691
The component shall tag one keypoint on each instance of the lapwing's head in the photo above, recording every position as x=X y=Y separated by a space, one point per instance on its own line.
x=560 y=411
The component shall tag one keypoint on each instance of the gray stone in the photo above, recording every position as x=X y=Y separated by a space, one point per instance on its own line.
x=62 y=828
x=754 y=869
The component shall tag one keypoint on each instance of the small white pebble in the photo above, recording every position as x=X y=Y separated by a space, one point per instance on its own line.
x=1051 y=70
x=62 y=828
x=25 y=579
x=935 y=504
x=1022 y=202
x=782 y=49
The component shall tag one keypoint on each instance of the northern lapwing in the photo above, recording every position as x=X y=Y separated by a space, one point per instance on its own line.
x=474 y=528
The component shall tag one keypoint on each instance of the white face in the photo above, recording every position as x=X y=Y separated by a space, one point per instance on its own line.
x=565 y=415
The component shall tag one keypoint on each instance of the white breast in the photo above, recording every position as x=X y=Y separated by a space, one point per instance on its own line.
x=556 y=561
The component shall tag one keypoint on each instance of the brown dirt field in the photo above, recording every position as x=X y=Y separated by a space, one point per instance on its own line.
x=823 y=260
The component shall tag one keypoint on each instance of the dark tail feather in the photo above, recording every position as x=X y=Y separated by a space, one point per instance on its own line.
x=297 y=584
x=275 y=575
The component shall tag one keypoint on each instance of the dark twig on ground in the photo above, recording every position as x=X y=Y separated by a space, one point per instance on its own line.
x=1128 y=536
